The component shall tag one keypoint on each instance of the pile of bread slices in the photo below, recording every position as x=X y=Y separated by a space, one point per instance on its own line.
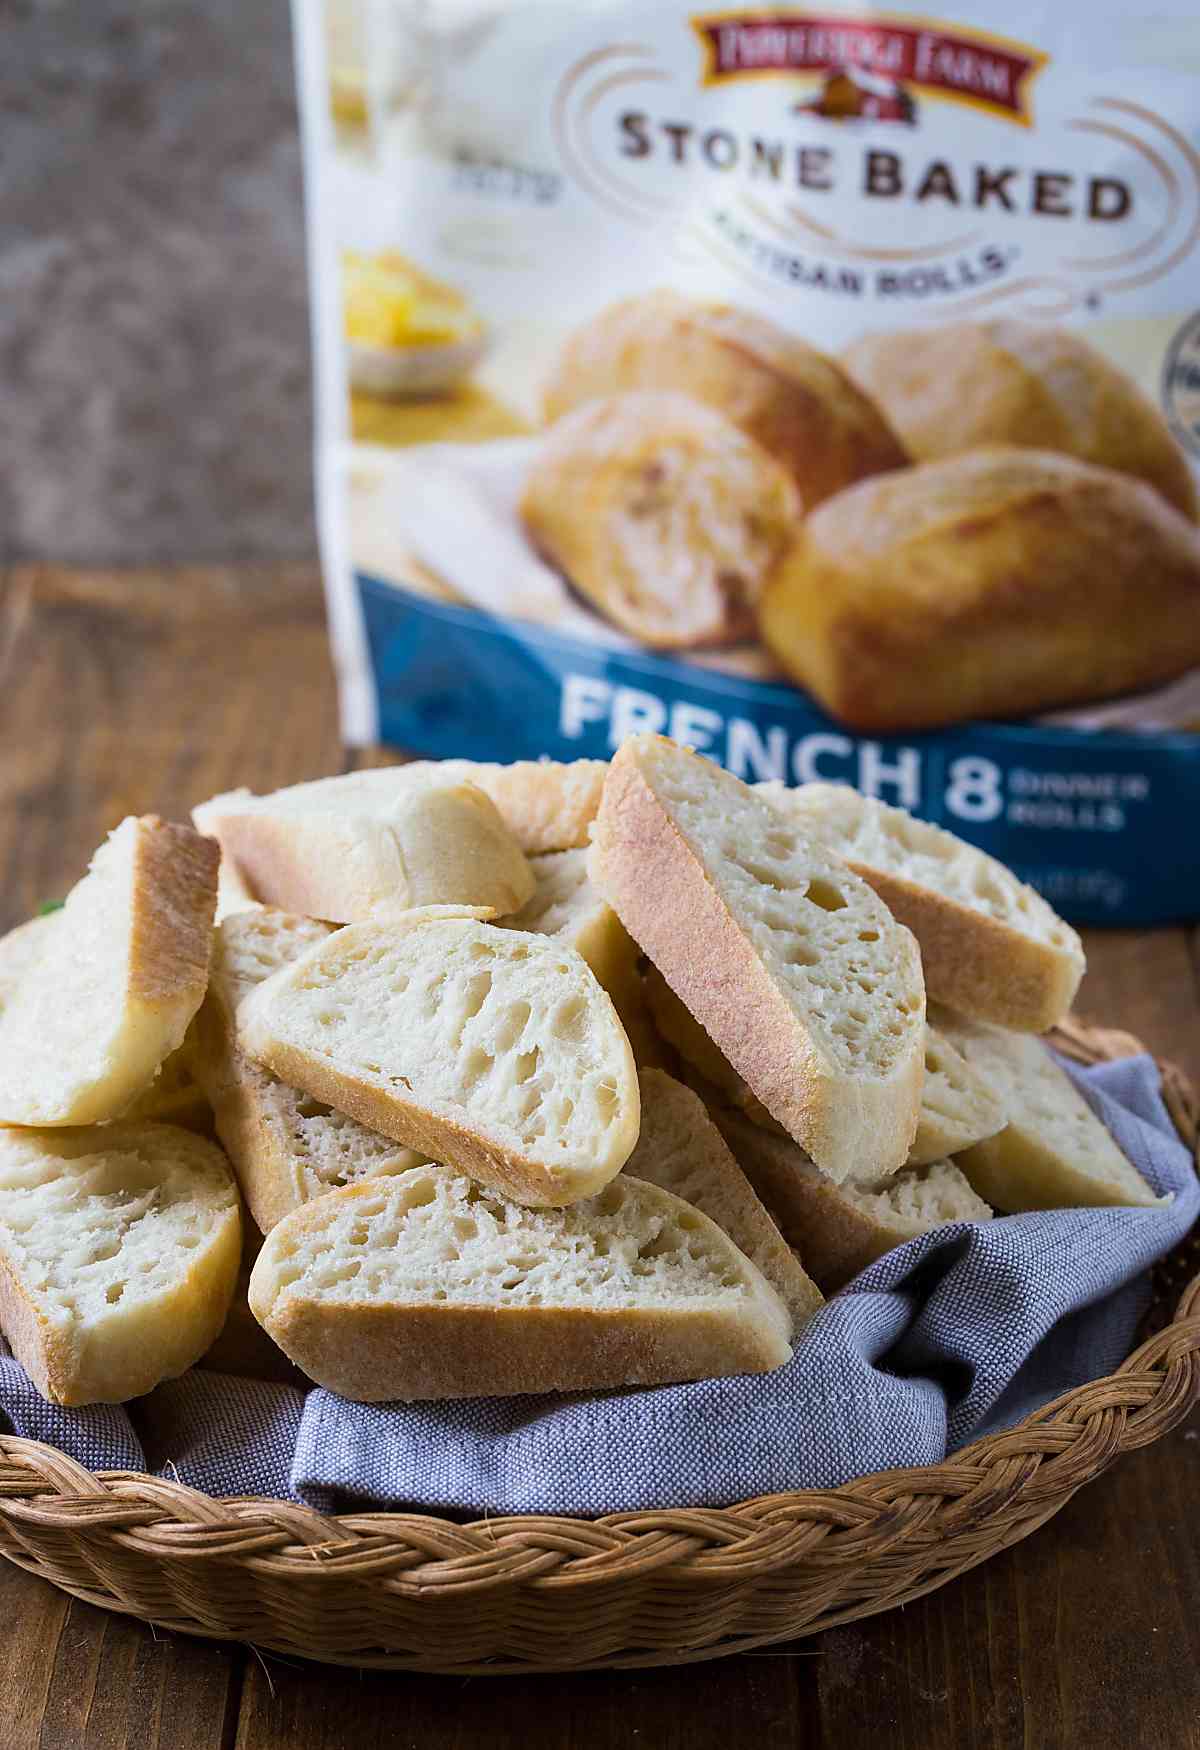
x=534 y=1077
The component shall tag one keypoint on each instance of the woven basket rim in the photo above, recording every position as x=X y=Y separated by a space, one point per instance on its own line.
x=998 y=1488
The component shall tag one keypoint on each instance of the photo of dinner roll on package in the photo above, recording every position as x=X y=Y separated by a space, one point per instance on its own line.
x=819 y=390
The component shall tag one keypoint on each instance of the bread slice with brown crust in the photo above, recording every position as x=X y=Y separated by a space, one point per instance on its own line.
x=840 y=1229
x=681 y=1150
x=286 y=1147
x=492 y=1050
x=1054 y=1153
x=343 y=852
x=427 y=1286
x=992 y=948
x=122 y=971
x=792 y=965
x=958 y=1107
x=119 y=1248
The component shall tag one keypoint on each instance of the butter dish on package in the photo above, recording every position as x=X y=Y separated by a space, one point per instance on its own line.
x=819 y=388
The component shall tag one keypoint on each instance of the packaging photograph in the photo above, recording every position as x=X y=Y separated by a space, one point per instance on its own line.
x=820 y=389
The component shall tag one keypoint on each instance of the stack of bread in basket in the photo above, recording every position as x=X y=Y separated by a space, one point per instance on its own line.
x=540 y=1077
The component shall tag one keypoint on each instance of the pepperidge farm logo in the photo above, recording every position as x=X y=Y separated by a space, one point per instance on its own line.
x=869 y=68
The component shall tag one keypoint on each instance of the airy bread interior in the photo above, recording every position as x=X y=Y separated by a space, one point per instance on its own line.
x=492 y=1049
x=120 y=1245
x=615 y=1290
x=112 y=980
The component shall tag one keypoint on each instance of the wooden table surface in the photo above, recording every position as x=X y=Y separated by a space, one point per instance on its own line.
x=126 y=694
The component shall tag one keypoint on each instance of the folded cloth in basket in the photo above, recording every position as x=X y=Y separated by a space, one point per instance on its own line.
x=958 y=1333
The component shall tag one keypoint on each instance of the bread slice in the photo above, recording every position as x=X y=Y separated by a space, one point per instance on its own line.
x=546 y=805
x=568 y=907
x=681 y=1150
x=791 y=964
x=345 y=855
x=1053 y=1153
x=119 y=1249
x=958 y=1107
x=840 y=1229
x=992 y=948
x=173 y=1097
x=123 y=971
x=492 y=1050
x=286 y=1147
x=233 y=891
x=427 y=1286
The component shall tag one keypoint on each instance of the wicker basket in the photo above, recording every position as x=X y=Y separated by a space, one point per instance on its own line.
x=534 y=1593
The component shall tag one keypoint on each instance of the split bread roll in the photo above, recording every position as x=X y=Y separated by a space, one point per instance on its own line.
x=1053 y=1153
x=791 y=964
x=348 y=856
x=800 y=405
x=494 y=1051
x=997 y=583
x=991 y=947
x=547 y=805
x=969 y=384
x=840 y=1229
x=663 y=514
x=958 y=1107
x=286 y=1147
x=427 y=1286
x=123 y=970
x=119 y=1249
x=681 y=1150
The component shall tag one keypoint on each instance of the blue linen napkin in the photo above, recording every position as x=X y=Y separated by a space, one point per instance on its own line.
x=958 y=1333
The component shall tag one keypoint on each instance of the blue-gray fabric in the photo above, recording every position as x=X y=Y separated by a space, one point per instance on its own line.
x=958 y=1333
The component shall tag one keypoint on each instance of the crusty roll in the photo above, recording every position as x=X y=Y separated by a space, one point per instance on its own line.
x=976 y=383
x=993 y=584
x=663 y=514
x=798 y=404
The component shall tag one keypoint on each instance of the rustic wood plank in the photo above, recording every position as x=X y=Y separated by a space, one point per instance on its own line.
x=145 y=693
x=76 y=1678
x=1144 y=982
x=767 y=1703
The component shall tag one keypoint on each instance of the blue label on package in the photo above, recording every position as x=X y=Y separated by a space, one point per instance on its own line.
x=1073 y=812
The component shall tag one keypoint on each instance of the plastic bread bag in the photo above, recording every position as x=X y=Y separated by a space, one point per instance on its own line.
x=819 y=387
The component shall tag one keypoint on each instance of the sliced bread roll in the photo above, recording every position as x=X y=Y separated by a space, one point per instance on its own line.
x=663 y=514
x=547 y=805
x=347 y=854
x=427 y=1286
x=122 y=972
x=791 y=964
x=119 y=1249
x=992 y=948
x=286 y=1147
x=233 y=891
x=681 y=1150
x=958 y=1107
x=840 y=1229
x=568 y=907
x=173 y=1097
x=492 y=1050
x=1053 y=1153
